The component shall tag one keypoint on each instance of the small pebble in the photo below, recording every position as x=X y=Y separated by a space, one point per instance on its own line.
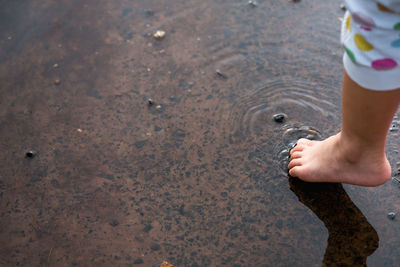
x=114 y=223
x=252 y=3
x=280 y=117
x=391 y=215
x=138 y=261
x=57 y=82
x=159 y=34
x=394 y=127
x=150 y=101
x=219 y=73
x=55 y=65
x=148 y=12
x=30 y=154
x=158 y=107
x=155 y=247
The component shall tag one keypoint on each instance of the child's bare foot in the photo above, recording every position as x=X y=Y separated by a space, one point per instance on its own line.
x=331 y=160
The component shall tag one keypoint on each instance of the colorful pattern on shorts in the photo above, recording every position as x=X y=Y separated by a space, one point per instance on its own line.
x=371 y=33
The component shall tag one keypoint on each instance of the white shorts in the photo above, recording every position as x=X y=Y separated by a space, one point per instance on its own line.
x=371 y=39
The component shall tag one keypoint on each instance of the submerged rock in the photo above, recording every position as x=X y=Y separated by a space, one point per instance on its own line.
x=391 y=215
x=30 y=154
x=280 y=117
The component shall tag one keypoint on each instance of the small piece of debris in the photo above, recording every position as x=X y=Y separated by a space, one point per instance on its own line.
x=148 y=12
x=57 y=82
x=30 y=154
x=166 y=264
x=55 y=65
x=391 y=215
x=252 y=3
x=219 y=73
x=159 y=34
x=138 y=261
x=158 y=107
x=79 y=130
x=343 y=7
x=280 y=117
x=9 y=37
x=150 y=101
x=394 y=127
x=114 y=223
x=295 y=1
x=155 y=247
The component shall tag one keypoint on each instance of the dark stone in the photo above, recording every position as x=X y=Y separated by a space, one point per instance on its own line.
x=252 y=3
x=155 y=247
x=107 y=176
x=140 y=144
x=280 y=117
x=35 y=179
x=55 y=183
x=147 y=228
x=148 y=12
x=30 y=154
x=114 y=223
x=138 y=261
x=220 y=73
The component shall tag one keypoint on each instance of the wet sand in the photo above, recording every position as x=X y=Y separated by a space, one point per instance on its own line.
x=197 y=177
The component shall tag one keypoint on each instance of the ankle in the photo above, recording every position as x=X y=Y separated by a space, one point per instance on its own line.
x=355 y=149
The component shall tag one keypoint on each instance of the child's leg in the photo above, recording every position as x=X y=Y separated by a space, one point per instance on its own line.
x=356 y=155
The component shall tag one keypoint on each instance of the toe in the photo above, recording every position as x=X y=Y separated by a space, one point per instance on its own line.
x=294 y=172
x=299 y=172
x=295 y=155
x=295 y=162
x=303 y=141
x=297 y=148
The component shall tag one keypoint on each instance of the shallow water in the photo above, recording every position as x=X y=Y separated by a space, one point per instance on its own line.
x=198 y=177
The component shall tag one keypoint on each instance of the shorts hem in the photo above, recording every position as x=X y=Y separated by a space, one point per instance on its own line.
x=372 y=79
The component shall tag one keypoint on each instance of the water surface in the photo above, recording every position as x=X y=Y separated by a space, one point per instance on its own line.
x=197 y=178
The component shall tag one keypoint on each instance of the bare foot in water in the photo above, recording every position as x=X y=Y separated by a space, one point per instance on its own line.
x=332 y=160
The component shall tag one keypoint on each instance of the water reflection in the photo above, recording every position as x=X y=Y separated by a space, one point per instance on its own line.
x=351 y=237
